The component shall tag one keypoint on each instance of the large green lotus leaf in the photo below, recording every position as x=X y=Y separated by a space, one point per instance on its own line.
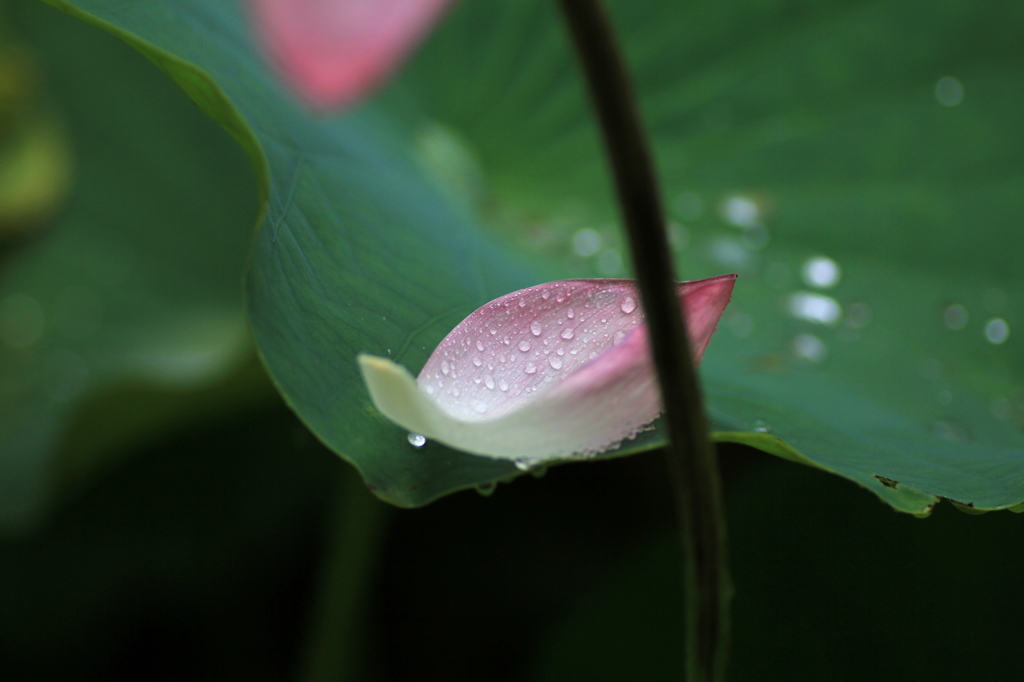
x=882 y=136
x=129 y=305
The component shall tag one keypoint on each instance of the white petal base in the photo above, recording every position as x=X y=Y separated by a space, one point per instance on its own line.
x=588 y=413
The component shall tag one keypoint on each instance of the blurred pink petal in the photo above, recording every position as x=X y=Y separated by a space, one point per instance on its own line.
x=333 y=51
x=554 y=371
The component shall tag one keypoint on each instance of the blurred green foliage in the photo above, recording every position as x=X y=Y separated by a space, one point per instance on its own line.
x=122 y=316
x=857 y=163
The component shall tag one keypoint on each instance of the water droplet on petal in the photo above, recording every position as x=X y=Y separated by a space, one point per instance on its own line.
x=445 y=367
x=479 y=345
x=570 y=313
x=617 y=339
x=567 y=334
x=417 y=440
x=489 y=382
x=455 y=391
x=502 y=384
x=546 y=295
x=522 y=303
x=478 y=406
x=536 y=328
x=524 y=345
x=531 y=368
x=555 y=361
x=477 y=361
x=628 y=305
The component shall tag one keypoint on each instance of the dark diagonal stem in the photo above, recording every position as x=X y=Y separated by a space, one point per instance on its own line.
x=691 y=457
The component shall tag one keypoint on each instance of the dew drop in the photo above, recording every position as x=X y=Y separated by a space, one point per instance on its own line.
x=996 y=330
x=761 y=426
x=546 y=295
x=617 y=339
x=536 y=328
x=810 y=347
x=628 y=305
x=741 y=211
x=479 y=345
x=506 y=340
x=560 y=351
x=821 y=272
x=489 y=382
x=477 y=361
x=524 y=345
x=430 y=389
x=567 y=334
x=570 y=313
x=531 y=368
x=502 y=384
x=586 y=242
x=445 y=367
x=487 y=489
x=417 y=440
x=955 y=317
x=815 y=308
x=478 y=406
x=555 y=361
x=949 y=91
x=522 y=303
x=455 y=391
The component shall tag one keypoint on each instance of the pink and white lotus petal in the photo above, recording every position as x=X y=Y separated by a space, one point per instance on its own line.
x=333 y=51
x=555 y=371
